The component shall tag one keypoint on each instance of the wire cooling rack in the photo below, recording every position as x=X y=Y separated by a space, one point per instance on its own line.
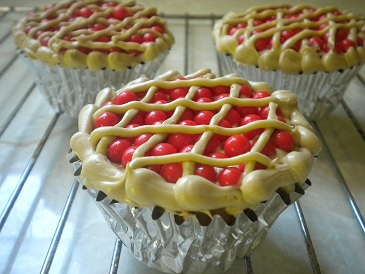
x=48 y=225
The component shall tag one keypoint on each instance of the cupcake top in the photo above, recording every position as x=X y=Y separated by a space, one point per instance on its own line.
x=195 y=143
x=95 y=34
x=293 y=39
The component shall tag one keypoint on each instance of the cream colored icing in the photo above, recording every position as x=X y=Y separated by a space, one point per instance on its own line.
x=282 y=56
x=67 y=54
x=139 y=186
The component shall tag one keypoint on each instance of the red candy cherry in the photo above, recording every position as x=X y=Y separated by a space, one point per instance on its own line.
x=207 y=172
x=45 y=41
x=120 y=13
x=344 y=45
x=131 y=126
x=158 y=28
x=341 y=34
x=246 y=91
x=128 y=155
x=218 y=155
x=188 y=123
x=297 y=46
x=162 y=149
x=269 y=149
x=262 y=44
x=155 y=168
x=149 y=37
x=360 y=42
x=187 y=115
x=261 y=94
x=284 y=140
x=155 y=116
x=264 y=112
x=285 y=35
x=243 y=111
x=233 y=117
x=203 y=92
x=187 y=148
x=229 y=176
x=85 y=12
x=107 y=119
x=241 y=39
x=138 y=118
x=135 y=38
x=203 y=117
x=204 y=100
x=116 y=150
x=221 y=96
x=98 y=27
x=236 y=145
x=180 y=140
x=178 y=93
x=232 y=30
x=171 y=172
x=250 y=118
x=159 y=96
x=218 y=90
x=143 y=138
x=224 y=123
x=316 y=43
x=126 y=97
x=213 y=144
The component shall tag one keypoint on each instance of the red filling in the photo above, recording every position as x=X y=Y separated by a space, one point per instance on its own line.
x=121 y=150
x=319 y=42
x=116 y=14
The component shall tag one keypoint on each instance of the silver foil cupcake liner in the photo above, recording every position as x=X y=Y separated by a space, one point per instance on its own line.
x=318 y=93
x=158 y=240
x=68 y=90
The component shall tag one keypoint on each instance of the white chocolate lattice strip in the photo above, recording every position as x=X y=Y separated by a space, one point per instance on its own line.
x=62 y=34
x=293 y=38
x=137 y=185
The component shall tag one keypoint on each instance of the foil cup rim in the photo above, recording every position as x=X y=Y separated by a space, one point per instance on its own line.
x=190 y=247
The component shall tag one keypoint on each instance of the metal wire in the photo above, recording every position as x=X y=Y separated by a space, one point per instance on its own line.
x=116 y=256
x=341 y=179
x=58 y=232
x=309 y=245
x=14 y=196
x=12 y=114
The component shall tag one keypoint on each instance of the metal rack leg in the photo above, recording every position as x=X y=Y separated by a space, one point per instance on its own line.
x=58 y=232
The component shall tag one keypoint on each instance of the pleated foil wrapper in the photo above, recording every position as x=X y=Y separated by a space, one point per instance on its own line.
x=68 y=90
x=318 y=93
x=156 y=239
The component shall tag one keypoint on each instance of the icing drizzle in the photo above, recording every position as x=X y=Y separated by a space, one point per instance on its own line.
x=137 y=185
x=293 y=39
x=79 y=34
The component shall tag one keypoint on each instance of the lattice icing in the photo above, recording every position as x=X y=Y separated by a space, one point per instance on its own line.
x=140 y=178
x=293 y=39
x=93 y=33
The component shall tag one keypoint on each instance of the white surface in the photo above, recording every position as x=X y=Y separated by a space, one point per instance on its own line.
x=87 y=243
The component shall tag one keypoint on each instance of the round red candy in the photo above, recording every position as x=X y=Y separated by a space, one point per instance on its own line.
x=229 y=176
x=116 y=150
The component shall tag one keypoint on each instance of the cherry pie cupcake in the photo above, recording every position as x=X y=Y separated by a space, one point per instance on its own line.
x=76 y=48
x=191 y=171
x=314 y=52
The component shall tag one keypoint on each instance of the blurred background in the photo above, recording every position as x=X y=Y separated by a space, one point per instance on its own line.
x=213 y=6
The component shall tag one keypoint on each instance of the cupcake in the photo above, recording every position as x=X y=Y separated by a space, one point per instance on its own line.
x=76 y=48
x=191 y=171
x=314 y=52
